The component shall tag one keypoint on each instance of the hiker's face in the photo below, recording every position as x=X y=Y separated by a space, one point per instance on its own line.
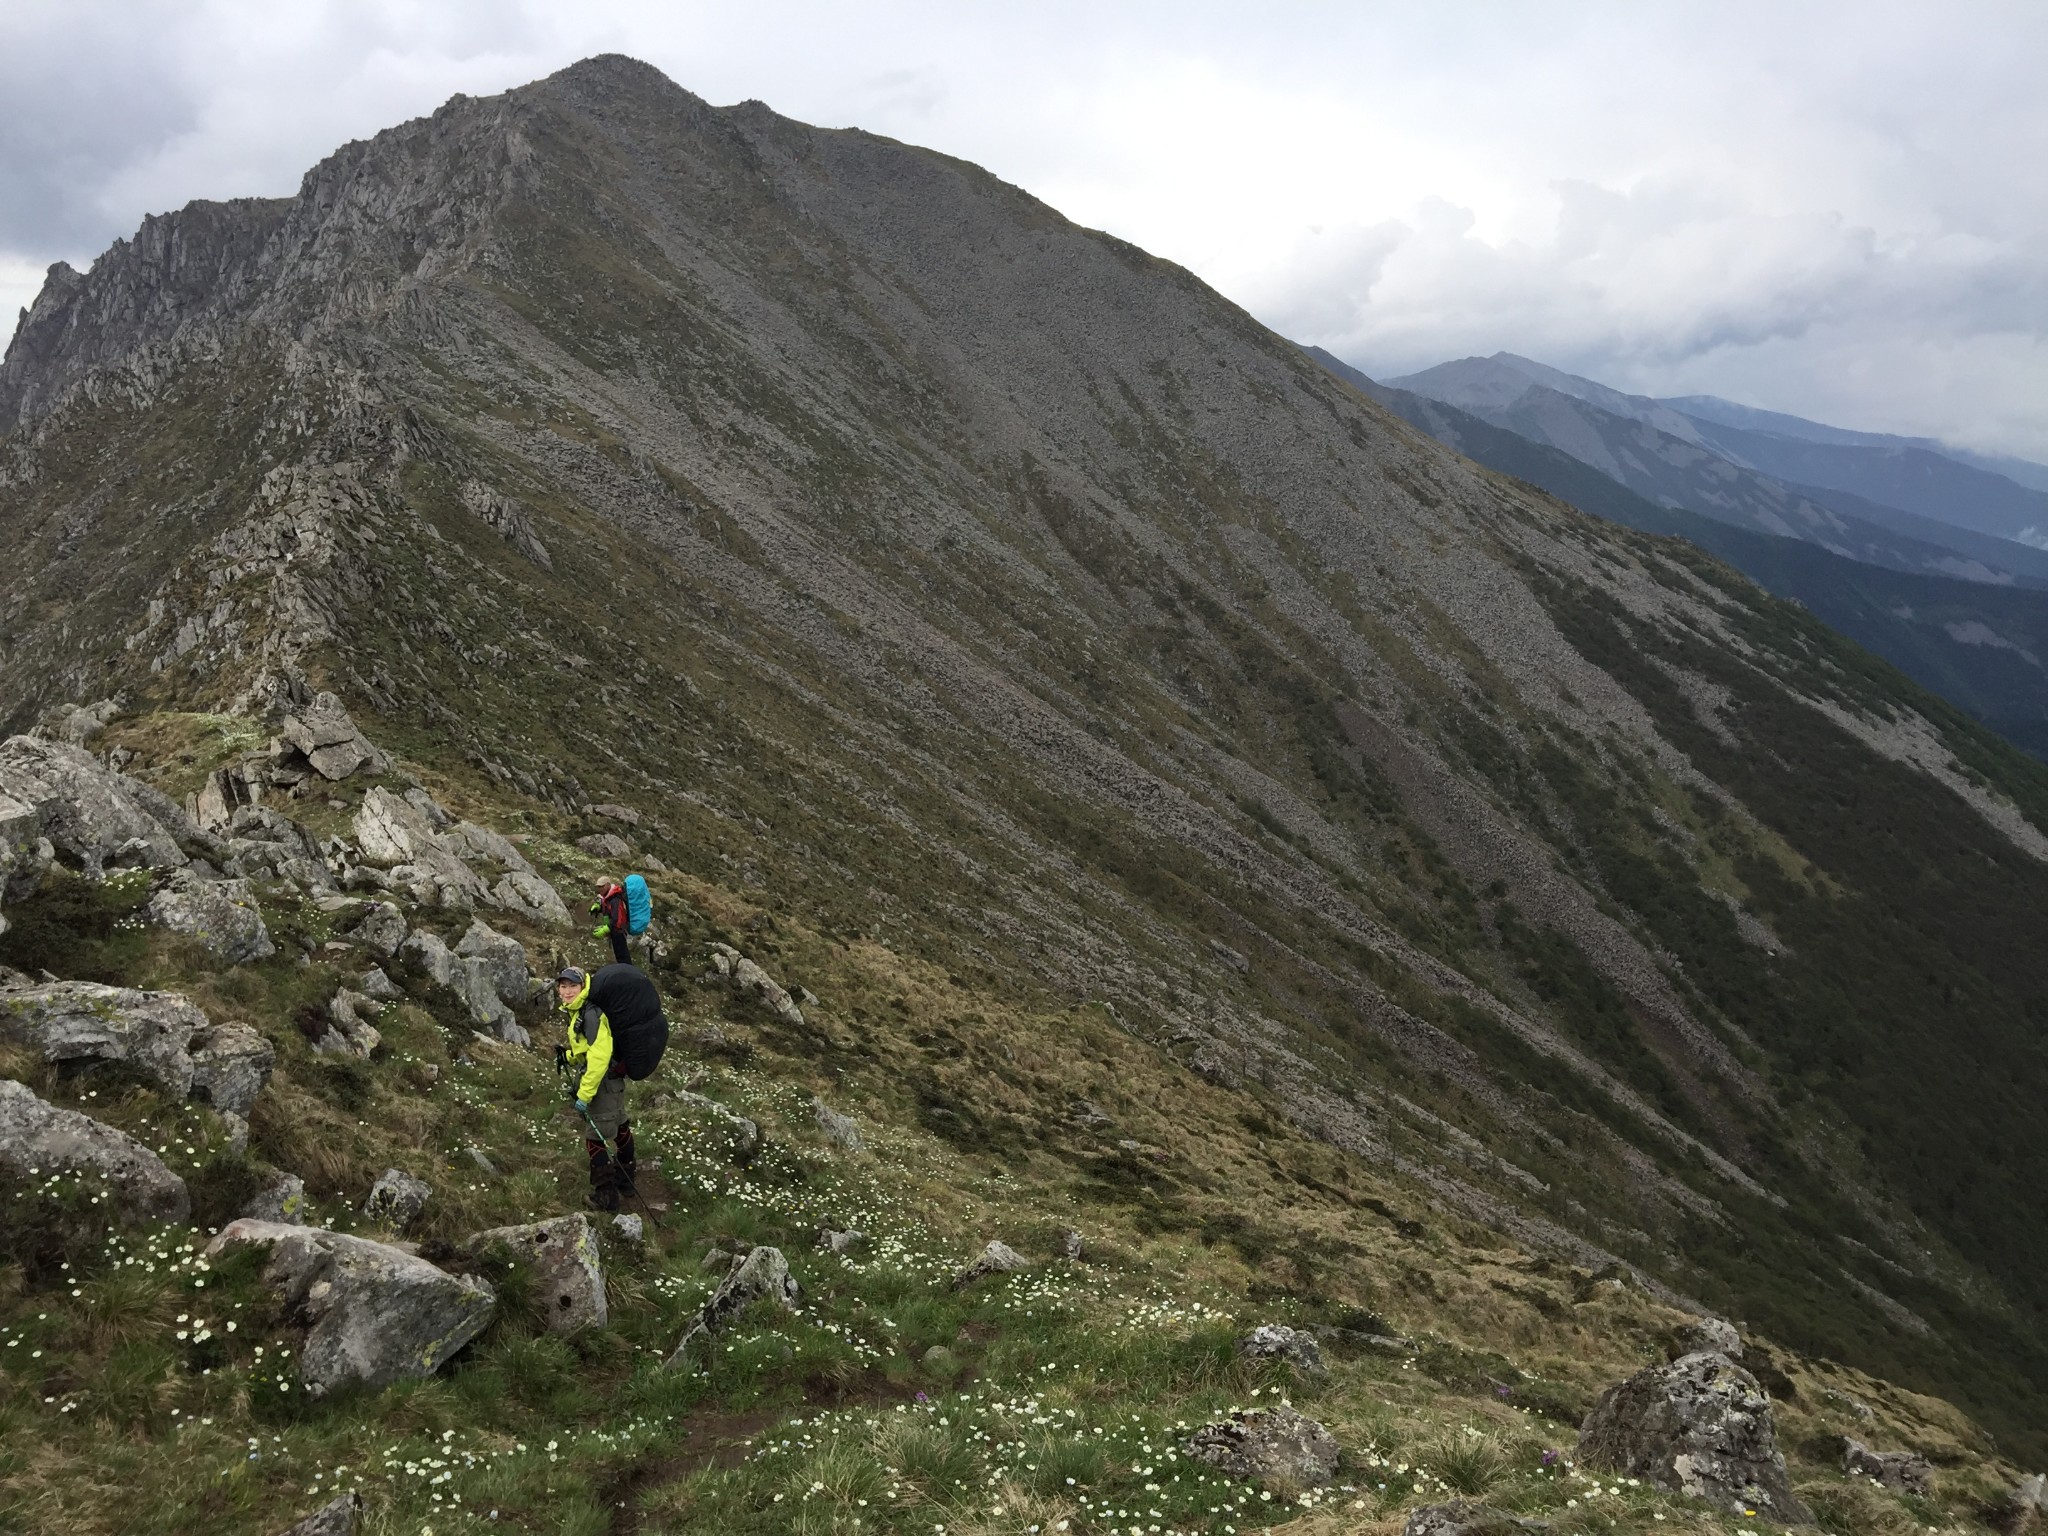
x=565 y=990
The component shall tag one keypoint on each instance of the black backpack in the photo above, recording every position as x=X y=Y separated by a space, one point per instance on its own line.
x=627 y=998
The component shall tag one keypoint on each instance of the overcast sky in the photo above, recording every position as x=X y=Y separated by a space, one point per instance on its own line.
x=1839 y=210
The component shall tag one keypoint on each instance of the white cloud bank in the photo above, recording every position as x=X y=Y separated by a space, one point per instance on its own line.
x=1837 y=210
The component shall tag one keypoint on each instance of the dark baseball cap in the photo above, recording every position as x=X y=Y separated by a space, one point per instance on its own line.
x=571 y=973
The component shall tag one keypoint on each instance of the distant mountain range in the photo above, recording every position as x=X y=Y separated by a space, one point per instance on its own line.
x=1888 y=540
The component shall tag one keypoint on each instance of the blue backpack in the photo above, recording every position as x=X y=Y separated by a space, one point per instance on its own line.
x=639 y=904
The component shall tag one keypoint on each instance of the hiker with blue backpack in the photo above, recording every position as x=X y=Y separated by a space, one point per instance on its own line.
x=622 y=909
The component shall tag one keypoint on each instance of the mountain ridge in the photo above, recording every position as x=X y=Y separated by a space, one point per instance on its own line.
x=960 y=575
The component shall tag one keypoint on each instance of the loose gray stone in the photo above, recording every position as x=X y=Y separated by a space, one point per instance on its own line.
x=1700 y=1426
x=563 y=1256
x=1275 y=1341
x=839 y=1129
x=230 y=1065
x=221 y=914
x=281 y=1200
x=763 y=1275
x=1708 y=1335
x=605 y=845
x=1274 y=1446
x=1460 y=1518
x=378 y=987
x=350 y=1031
x=840 y=1242
x=373 y=1313
x=38 y=1139
x=1900 y=1471
x=337 y=1518
x=1072 y=1245
x=742 y=1137
x=396 y=1199
x=629 y=1227
x=529 y=896
x=323 y=735
x=995 y=1259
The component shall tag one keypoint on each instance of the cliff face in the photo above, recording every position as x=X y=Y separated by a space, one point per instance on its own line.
x=977 y=580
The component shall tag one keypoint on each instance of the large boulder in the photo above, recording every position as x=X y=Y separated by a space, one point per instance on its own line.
x=349 y=1031
x=605 y=845
x=93 y=816
x=1274 y=1446
x=221 y=914
x=763 y=1275
x=329 y=743
x=1700 y=1426
x=502 y=960
x=24 y=851
x=369 y=1313
x=38 y=1139
x=474 y=842
x=562 y=1254
x=160 y=1035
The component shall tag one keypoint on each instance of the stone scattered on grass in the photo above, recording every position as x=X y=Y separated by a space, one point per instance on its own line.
x=337 y=1518
x=1277 y=1447
x=568 y=1277
x=839 y=1129
x=1461 y=1517
x=996 y=1259
x=1900 y=1471
x=396 y=1199
x=763 y=1275
x=1276 y=1341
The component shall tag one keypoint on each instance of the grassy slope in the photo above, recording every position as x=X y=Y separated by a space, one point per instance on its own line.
x=889 y=1402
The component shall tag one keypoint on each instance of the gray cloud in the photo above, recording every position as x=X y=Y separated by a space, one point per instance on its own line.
x=1835 y=210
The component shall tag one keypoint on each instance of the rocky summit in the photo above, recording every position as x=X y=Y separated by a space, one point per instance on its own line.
x=1226 y=967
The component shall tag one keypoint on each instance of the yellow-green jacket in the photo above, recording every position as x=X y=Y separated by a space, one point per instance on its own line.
x=590 y=1043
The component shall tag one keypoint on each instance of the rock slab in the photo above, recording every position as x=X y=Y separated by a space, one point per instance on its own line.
x=1900 y=1471
x=333 y=1519
x=160 y=1035
x=396 y=1199
x=371 y=1313
x=995 y=1259
x=563 y=1255
x=763 y=1275
x=221 y=914
x=1463 y=1518
x=1276 y=1341
x=1700 y=1426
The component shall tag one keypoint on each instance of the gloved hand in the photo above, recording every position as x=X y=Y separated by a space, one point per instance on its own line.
x=583 y=1104
x=600 y=930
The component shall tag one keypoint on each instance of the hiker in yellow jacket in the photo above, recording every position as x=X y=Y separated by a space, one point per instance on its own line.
x=616 y=1030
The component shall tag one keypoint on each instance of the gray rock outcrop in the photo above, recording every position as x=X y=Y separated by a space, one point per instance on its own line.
x=378 y=987
x=750 y=980
x=528 y=895
x=38 y=1139
x=160 y=1035
x=396 y=1199
x=394 y=834
x=381 y=927
x=323 y=736
x=1700 y=1426
x=1707 y=1335
x=221 y=914
x=1900 y=1471
x=349 y=1031
x=605 y=845
x=471 y=979
x=763 y=1275
x=995 y=1259
x=24 y=852
x=568 y=1277
x=1277 y=1447
x=502 y=960
x=371 y=1313
x=1276 y=1341
x=94 y=817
